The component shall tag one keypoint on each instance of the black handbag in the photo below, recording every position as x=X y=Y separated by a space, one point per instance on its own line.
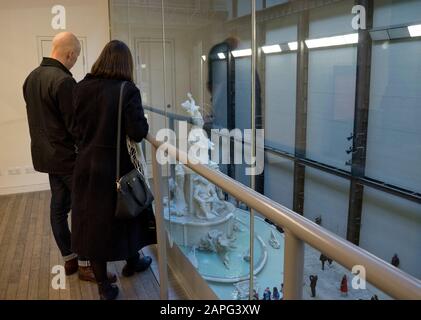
x=133 y=193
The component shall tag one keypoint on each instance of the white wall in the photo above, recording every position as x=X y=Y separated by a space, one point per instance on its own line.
x=132 y=23
x=21 y=22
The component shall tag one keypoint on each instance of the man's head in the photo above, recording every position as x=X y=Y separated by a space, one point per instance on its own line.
x=66 y=49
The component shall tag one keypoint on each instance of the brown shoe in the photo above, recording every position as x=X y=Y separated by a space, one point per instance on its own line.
x=87 y=274
x=71 y=266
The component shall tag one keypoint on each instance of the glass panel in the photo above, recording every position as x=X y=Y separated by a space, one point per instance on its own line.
x=329 y=81
x=211 y=88
x=309 y=101
x=391 y=13
x=279 y=70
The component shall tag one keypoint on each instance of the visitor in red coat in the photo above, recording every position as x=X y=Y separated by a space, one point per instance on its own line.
x=344 y=286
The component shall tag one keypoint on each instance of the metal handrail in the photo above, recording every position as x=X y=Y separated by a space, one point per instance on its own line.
x=171 y=116
x=299 y=230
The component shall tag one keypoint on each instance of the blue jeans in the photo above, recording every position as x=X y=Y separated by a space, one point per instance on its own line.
x=61 y=202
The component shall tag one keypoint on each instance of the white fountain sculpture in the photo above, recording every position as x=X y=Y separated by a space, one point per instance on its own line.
x=273 y=241
x=216 y=241
x=193 y=258
x=194 y=110
x=242 y=288
x=215 y=166
x=246 y=255
x=209 y=205
x=199 y=138
x=237 y=227
x=198 y=207
x=178 y=205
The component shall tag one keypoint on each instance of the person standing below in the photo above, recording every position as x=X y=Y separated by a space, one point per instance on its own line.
x=344 y=286
x=267 y=294
x=255 y=295
x=48 y=93
x=282 y=291
x=323 y=259
x=96 y=234
x=275 y=294
x=313 y=284
x=395 y=260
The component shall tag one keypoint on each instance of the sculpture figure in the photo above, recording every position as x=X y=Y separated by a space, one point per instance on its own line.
x=206 y=197
x=199 y=139
x=193 y=110
x=236 y=227
x=215 y=166
x=178 y=205
x=216 y=241
x=273 y=241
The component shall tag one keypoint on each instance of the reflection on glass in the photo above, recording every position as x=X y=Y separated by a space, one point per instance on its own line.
x=309 y=102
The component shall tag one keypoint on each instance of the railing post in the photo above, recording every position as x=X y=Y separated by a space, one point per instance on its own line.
x=293 y=267
x=160 y=227
x=171 y=125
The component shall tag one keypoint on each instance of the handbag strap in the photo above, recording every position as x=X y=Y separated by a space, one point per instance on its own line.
x=120 y=108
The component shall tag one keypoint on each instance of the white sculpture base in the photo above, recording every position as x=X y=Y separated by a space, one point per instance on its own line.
x=188 y=230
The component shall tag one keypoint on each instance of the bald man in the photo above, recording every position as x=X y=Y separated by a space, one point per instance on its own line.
x=48 y=93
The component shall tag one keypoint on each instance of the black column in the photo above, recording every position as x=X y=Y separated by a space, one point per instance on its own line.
x=231 y=107
x=359 y=147
x=301 y=112
x=260 y=92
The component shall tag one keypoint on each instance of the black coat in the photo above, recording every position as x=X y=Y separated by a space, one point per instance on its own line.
x=96 y=235
x=48 y=95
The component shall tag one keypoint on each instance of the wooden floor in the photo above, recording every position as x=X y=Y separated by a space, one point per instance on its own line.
x=28 y=253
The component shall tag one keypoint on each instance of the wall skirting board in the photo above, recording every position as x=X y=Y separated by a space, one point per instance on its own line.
x=24 y=189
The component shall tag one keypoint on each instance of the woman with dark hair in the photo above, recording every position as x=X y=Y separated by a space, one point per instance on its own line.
x=275 y=294
x=96 y=234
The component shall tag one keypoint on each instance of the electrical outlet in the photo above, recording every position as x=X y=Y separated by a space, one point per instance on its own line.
x=14 y=171
x=30 y=170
